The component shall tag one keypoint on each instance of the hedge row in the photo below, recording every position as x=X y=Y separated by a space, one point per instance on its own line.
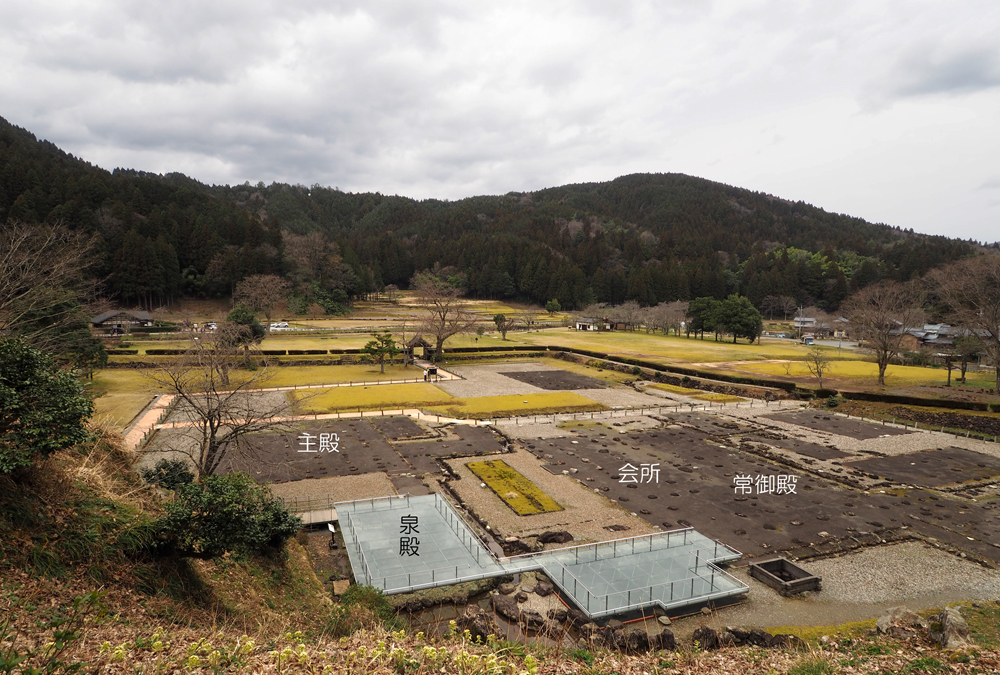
x=915 y=400
x=122 y=352
x=165 y=352
x=154 y=329
x=690 y=372
x=498 y=348
x=448 y=357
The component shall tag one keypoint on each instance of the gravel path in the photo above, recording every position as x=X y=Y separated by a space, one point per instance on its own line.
x=343 y=488
x=857 y=587
x=541 y=427
x=620 y=396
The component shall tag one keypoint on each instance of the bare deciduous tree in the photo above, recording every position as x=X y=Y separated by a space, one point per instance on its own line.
x=880 y=315
x=599 y=311
x=216 y=405
x=261 y=293
x=818 y=363
x=971 y=289
x=41 y=267
x=445 y=315
x=670 y=315
x=628 y=313
x=786 y=304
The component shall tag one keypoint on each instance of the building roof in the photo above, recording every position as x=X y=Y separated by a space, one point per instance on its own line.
x=138 y=315
x=419 y=341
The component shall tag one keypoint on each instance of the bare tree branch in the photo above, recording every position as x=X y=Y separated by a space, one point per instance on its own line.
x=262 y=293
x=445 y=315
x=880 y=315
x=41 y=267
x=217 y=404
x=971 y=289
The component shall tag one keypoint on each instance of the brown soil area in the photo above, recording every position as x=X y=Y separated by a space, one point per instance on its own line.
x=983 y=423
x=556 y=380
x=837 y=424
x=696 y=489
x=933 y=468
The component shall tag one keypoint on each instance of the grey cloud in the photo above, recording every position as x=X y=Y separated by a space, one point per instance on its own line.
x=448 y=98
x=924 y=72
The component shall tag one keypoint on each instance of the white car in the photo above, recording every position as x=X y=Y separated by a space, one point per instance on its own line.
x=280 y=325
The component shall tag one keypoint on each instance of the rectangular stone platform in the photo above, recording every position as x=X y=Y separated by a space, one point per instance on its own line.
x=668 y=569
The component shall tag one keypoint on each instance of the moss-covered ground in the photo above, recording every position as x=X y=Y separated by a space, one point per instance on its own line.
x=516 y=491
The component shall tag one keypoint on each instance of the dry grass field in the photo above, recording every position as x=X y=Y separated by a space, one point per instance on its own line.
x=484 y=407
x=375 y=397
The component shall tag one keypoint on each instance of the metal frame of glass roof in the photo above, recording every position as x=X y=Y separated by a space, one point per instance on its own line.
x=669 y=569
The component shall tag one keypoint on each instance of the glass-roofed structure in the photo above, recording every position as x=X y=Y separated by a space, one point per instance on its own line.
x=401 y=544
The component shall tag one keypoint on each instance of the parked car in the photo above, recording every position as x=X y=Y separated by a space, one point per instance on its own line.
x=280 y=325
x=211 y=325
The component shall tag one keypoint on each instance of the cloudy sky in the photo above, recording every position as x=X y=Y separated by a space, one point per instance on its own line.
x=888 y=110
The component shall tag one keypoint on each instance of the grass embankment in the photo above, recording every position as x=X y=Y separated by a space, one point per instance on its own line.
x=487 y=407
x=673 y=389
x=666 y=349
x=855 y=373
x=696 y=393
x=119 y=395
x=848 y=369
x=375 y=397
x=981 y=424
x=515 y=490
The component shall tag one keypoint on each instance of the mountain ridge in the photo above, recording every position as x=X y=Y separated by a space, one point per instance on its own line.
x=646 y=237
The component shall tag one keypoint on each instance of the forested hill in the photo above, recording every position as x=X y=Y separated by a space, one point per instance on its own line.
x=648 y=237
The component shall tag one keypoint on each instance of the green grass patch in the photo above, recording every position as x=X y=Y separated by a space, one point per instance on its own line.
x=812 y=634
x=374 y=397
x=811 y=666
x=484 y=407
x=926 y=664
x=984 y=623
x=515 y=490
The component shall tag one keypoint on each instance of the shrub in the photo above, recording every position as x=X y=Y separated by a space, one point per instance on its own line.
x=362 y=607
x=169 y=474
x=636 y=370
x=223 y=514
x=42 y=408
x=832 y=402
